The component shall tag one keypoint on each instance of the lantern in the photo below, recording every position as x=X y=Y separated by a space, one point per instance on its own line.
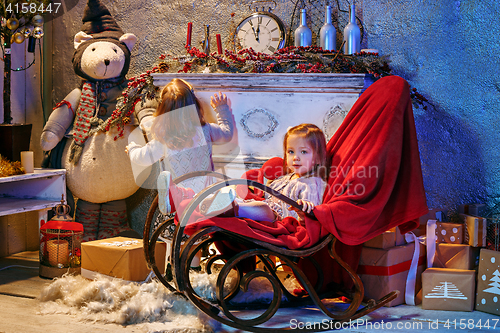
x=60 y=244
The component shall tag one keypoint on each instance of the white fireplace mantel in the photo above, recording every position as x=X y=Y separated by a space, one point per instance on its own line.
x=265 y=105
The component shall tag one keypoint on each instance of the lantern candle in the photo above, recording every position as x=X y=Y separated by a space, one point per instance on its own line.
x=190 y=29
x=58 y=252
x=219 y=44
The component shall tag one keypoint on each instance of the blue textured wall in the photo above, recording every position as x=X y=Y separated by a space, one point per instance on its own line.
x=449 y=51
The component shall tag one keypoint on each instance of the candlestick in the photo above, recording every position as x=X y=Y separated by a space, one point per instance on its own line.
x=190 y=30
x=27 y=161
x=219 y=44
x=206 y=42
x=58 y=252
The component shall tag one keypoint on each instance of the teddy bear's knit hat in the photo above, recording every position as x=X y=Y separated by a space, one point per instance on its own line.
x=98 y=20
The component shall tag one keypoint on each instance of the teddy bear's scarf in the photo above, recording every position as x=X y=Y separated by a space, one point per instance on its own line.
x=86 y=115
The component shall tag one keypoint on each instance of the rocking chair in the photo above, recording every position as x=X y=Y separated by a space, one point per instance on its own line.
x=379 y=130
x=221 y=309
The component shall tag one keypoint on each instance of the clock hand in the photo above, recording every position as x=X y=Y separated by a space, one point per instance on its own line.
x=256 y=33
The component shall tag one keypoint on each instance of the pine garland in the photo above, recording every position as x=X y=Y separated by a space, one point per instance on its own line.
x=139 y=89
x=8 y=168
x=290 y=59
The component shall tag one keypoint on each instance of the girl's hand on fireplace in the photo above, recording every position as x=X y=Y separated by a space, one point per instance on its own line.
x=218 y=100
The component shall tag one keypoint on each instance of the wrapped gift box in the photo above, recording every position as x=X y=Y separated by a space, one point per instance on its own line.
x=455 y=256
x=385 y=270
x=382 y=241
x=473 y=209
x=400 y=238
x=448 y=289
x=438 y=214
x=119 y=257
x=449 y=232
x=476 y=228
x=488 y=282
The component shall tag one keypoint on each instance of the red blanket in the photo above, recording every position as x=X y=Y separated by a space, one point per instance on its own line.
x=375 y=180
x=375 y=184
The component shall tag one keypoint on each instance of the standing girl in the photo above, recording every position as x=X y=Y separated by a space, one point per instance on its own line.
x=182 y=140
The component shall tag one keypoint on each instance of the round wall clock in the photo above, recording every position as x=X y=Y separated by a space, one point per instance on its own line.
x=262 y=31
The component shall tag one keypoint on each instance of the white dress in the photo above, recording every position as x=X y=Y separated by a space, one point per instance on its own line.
x=307 y=188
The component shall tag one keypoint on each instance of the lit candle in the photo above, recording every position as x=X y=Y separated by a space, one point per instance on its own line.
x=190 y=29
x=219 y=44
x=27 y=161
x=58 y=252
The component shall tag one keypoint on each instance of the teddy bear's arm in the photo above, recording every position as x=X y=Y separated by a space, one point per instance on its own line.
x=60 y=120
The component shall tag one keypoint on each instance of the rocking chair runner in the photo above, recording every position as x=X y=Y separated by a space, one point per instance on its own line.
x=378 y=131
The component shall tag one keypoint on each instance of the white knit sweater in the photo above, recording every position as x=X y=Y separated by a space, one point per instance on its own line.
x=307 y=188
x=196 y=158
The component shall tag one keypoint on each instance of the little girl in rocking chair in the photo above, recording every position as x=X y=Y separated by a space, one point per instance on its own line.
x=306 y=170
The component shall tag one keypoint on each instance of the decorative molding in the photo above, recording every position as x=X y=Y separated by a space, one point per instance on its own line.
x=333 y=119
x=259 y=123
x=302 y=83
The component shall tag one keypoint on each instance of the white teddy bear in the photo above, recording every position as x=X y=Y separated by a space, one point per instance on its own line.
x=78 y=132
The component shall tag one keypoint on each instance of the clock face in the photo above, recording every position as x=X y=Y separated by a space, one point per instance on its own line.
x=263 y=32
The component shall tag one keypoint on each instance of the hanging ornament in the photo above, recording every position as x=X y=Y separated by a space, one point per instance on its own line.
x=38 y=32
x=27 y=32
x=18 y=37
x=37 y=20
x=3 y=22
x=12 y=23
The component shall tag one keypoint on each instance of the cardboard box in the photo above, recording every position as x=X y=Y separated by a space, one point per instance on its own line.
x=488 y=282
x=473 y=209
x=438 y=214
x=476 y=229
x=400 y=238
x=448 y=289
x=385 y=270
x=119 y=257
x=455 y=256
x=447 y=232
x=382 y=241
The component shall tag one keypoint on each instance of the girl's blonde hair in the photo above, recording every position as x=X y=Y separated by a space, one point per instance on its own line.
x=178 y=128
x=316 y=138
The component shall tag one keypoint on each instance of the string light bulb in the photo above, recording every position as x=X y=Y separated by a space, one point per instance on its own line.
x=27 y=32
x=12 y=23
x=38 y=32
x=18 y=37
x=37 y=20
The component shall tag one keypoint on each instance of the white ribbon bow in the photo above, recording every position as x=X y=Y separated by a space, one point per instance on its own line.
x=430 y=242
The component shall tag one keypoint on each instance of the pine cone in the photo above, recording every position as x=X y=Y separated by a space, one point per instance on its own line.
x=163 y=67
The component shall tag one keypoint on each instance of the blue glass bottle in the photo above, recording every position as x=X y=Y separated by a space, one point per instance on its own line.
x=303 y=35
x=327 y=33
x=352 y=34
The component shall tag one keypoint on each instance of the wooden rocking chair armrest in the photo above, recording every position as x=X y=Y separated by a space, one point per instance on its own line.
x=199 y=174
x=154 y=205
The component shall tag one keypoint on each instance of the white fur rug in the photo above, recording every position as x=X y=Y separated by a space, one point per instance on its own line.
x=109 y=300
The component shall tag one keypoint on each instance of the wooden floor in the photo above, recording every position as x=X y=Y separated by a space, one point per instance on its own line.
x=20 y=284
